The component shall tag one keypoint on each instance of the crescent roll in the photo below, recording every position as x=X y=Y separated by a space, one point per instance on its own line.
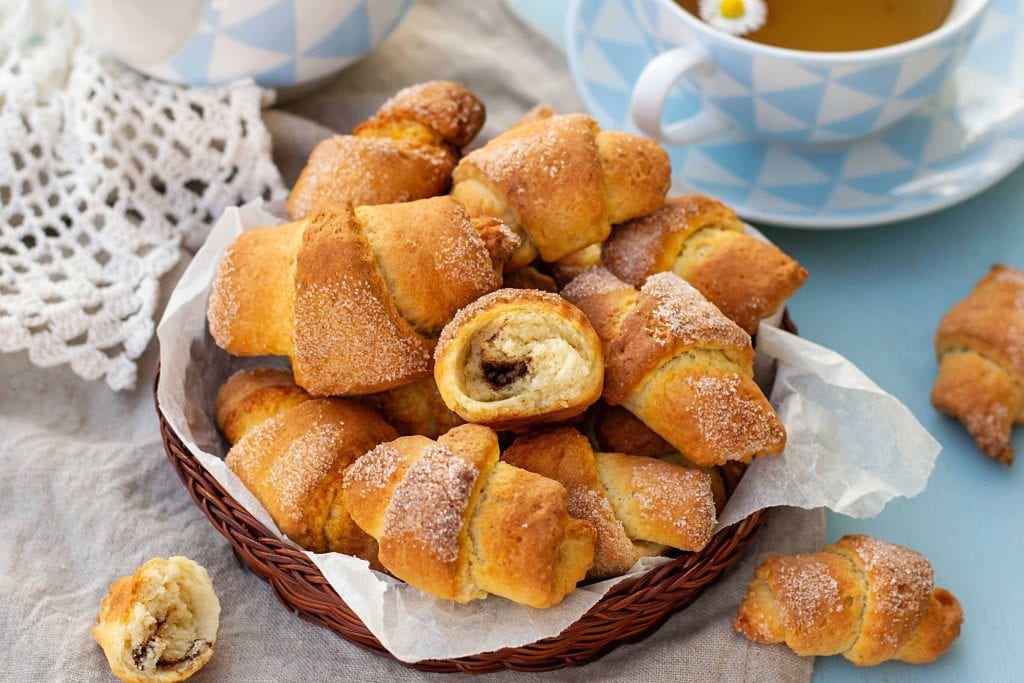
x=353 y=296
x=561 y=182
x=639 y=506
x=291 y=455
x=406 y=151
x=679 y=365
x=159 y=625
x=455 y=522
x=517 y=357
x=702 y=241
x=981 y=361
x=865 y=599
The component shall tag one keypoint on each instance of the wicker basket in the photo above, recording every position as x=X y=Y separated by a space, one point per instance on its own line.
x=627 y=613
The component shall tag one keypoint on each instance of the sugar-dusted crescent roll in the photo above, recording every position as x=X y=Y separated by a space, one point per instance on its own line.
x=159 y=625
x=639 y=506
x=517 y=357
x=406 y=151
x=416 y=408
x=679 y=365
x=353 y=296
x=561 y=182
x=702 y=241
x=980 y=346
x=455 y=522
x=292 y=457
x=865 y=599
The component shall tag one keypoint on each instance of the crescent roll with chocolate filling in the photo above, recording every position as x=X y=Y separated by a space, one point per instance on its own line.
x=354 y=297
x=639 y=506
x=455 y=522
x=291 y=455
x=676 y=362
x=406 y=151
x=561 y=182
x=517 y=357
x=980 y=346
x=159 y=625
x=861 y=598
x=702 y=241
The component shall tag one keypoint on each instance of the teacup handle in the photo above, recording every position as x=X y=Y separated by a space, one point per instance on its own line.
x=651 y=89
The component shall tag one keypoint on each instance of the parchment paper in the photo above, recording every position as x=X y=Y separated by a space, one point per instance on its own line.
x=851 y=447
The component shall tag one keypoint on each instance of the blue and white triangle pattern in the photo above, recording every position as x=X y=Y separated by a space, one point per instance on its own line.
x=280 y=42
x=940 y=154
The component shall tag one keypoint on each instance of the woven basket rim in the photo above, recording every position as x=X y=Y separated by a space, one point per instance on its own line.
x=628 y=612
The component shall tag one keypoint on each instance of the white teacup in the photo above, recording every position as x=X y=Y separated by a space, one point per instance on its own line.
x=788 y=95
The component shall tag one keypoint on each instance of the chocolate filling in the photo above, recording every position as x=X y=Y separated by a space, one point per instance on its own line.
x=501 y=373
x=145 y=650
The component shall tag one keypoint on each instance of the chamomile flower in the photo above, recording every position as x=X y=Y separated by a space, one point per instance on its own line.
x=738 y=17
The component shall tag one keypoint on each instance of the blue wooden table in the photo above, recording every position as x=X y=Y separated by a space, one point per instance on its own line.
x=876 y=295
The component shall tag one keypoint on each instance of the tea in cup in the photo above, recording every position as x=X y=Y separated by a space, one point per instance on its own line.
x=800 y=78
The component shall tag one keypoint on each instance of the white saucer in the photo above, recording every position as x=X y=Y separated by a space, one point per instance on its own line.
x=967 y=140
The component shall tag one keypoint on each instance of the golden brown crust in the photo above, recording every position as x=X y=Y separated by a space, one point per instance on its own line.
x=349 y=336
x=433 y=260
x=366 y=171
x=702 y=241
x=250 y=397
x=565 y=455
x=294 y=462
x=681 y=366
x=538 y=112
x=159 y=625
x=252 y=301
x=559 y=183
x=517 y=357
x=406 y=151
x=865 y=599
x=353 y=295
x=446 y=107
x=416 y=408
x=659 y=502
x=456 y=523
x=637 y=174
x=981 y=371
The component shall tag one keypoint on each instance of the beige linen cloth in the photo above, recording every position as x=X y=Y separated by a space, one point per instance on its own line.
x=86 y=494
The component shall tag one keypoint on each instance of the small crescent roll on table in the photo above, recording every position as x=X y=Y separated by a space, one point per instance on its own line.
x=980 y=346
x=291 y=454
x=865 y=599
x=676 y=362
x=352 y=296
x=453 y=521
x=517 y=357
x=561 y=182
x=639 y=506
x=702 y=241
x=406 y=151
x=159 y=625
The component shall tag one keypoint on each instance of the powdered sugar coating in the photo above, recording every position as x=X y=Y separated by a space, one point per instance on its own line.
x=593 y=282
x=900 y=582
x=682 y=501
x=372 y=473
x=428 y=507
x=683 y=315
x=806 y=591
x=614 y=553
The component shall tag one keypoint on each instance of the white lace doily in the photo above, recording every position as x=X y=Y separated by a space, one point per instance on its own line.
x=104 y=174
